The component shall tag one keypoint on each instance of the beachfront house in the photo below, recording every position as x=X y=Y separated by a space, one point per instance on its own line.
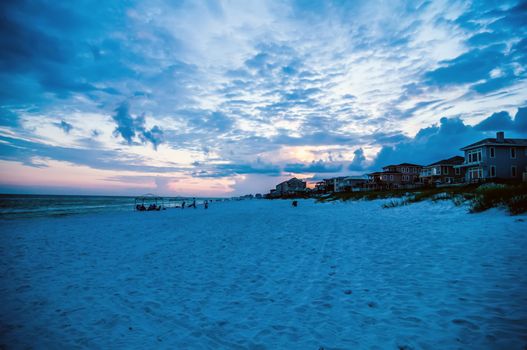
x=333 y=184
x=341 y=184
x=495 y=158
x=290 y=186
x=443 y=172
x=351 y=183
x=404 y=175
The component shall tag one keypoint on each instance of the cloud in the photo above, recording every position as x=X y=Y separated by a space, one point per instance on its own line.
x=467 y=68
x=445 y=140
x=207 y=121
x=232 y=169
x=313 y=167
x=520 y=120
x=497 y=46
x=129 y=127
x=8 y=118
x=315 y=139
x=46 y=55
x=359 y=160
x=25 y=151
x=497 y=121
x=239 y=82
x=66 y=127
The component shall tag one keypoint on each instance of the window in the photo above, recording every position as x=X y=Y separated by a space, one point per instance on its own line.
x=475 y=173
x=492 y=152
x=391 y=177
x=445 y=171
x=513 y=153
x=457 y=171
x=492 y=171
x=513 y=171
x=474 y=155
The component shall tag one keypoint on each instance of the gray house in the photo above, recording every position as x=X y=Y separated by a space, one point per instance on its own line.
x=495 y=158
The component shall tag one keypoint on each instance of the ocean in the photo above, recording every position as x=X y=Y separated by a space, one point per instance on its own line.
x=14 y=206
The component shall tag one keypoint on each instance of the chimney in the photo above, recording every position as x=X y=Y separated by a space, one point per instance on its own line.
x=500 y=136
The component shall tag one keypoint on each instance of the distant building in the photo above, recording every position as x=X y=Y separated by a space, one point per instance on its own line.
x=443 y=171
x=258 y=196
x=320 y=186
x=495 y=158
x=404 y=175
x=290 y=186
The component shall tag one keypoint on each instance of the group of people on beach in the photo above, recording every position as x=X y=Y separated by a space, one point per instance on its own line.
x=193 y=204
x=151 y=207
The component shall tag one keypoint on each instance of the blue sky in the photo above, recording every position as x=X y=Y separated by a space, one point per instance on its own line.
x=231 y=97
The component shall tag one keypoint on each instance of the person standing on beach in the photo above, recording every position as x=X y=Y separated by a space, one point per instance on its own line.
x=183 y=205
x=206 y=204
x=194 y=202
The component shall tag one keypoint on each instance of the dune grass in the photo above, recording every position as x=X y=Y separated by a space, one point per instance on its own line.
x=512 y=196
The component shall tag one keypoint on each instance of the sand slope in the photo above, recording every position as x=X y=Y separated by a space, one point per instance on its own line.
x=264 y=275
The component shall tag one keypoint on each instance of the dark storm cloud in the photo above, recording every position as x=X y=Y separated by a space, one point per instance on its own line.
x=445 y=140
x=130 y=127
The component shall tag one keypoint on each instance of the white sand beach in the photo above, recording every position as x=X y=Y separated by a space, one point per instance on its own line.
x=264 y=275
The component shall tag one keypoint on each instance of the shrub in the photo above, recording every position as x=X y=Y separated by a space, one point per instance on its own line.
x=517 y=204
x=513 y=197
x=394 y=204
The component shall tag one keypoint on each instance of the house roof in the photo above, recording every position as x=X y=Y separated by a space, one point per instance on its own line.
x=494 y=142
x=402 y=164
x=361 y=177
x=456 y=160
x=409 y=164
x=385 y=173
x=291 y=179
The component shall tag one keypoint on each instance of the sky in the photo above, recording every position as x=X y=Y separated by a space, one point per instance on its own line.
x=223 y=98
